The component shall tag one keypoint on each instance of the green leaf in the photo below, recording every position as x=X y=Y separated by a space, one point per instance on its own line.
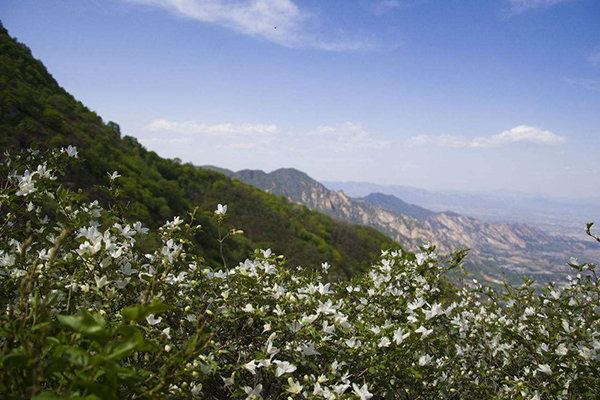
x=122 y=350
x=139 y=312
x=416 y=373
x=76 y=356
x=88 y=325
x=14 y=360
x=40 y=326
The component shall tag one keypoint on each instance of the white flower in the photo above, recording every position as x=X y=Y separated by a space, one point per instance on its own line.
x=113 y=176
x=308 y=350
x=167 y=332
x=122 y=283
x=353 y=343
x=6 y=260
x=139 y=228
x=545 y=368
x=266 y=253
x=529 y=311
x=418 y=303
x=229 y=381
x=100 y=283
x=339 y=389
x=251 y=366
x=326 y=308
x=425 y=359
x=127 y=270
x=249 y=308
x=436 y=310
x=294 y=387
x=283 y=367
x=574 y=261
x=424 y=331
x=26 y=185
x=221 y=210
x=196 y=388
x=309 y=319
x=399 y=335
x=43 y=172
x=384 y=342
x=253 y=393
x=421 y=257
x=362 y=392
x=585 y=353
x=71 y=151
x=328 y=329
x=153 y=321
x=562 y=350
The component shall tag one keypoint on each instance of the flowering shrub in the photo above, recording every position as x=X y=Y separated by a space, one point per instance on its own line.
x=88 y=314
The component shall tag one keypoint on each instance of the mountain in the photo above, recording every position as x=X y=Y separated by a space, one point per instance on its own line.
x=498 y=250
x=397 y=206
x=561 y=216
x=36 y=112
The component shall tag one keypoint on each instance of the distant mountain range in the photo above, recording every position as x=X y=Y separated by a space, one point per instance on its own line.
x=498 y=250
x=552 y=215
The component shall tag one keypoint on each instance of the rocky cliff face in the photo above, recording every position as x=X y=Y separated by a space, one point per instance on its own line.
x=498 y=250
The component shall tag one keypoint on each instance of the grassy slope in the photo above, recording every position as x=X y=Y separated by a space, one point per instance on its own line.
x=35 y=110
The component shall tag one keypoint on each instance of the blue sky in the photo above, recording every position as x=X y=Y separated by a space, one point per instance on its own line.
x=439 y=94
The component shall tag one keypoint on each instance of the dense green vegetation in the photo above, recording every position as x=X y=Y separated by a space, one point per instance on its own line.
x=91 y=315
x=36 y=111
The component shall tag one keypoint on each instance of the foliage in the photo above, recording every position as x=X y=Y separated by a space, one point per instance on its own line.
x=90 y=314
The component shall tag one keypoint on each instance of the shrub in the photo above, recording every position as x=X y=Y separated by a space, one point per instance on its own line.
x=89 y=314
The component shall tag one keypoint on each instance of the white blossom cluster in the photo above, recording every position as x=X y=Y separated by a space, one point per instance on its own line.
x=263 y=329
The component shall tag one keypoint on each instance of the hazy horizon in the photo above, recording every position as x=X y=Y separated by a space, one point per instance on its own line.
x=482 y=96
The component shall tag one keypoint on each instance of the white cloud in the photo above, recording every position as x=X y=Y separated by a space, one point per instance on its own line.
x=589 y=84
x=594 y=58
x=349 y=136
x=196 y=128
x=519 y=6
x=518 y=134
x=278 y=21
x=382 y=7
x=521 y=133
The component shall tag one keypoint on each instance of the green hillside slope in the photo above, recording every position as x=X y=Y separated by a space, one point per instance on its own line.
x=36 y=111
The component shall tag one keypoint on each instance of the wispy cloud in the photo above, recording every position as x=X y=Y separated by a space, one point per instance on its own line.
x=200 y=128
x=519 y=6
x=382 y=7
x=594 y=58
x=349 y=136
x=589 y=84
x=279 y=21
x=518 y=134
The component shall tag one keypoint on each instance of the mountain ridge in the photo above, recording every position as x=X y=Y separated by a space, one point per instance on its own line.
x=496 y=248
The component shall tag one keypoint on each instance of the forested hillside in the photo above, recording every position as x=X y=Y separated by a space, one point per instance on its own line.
x=36 y=111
